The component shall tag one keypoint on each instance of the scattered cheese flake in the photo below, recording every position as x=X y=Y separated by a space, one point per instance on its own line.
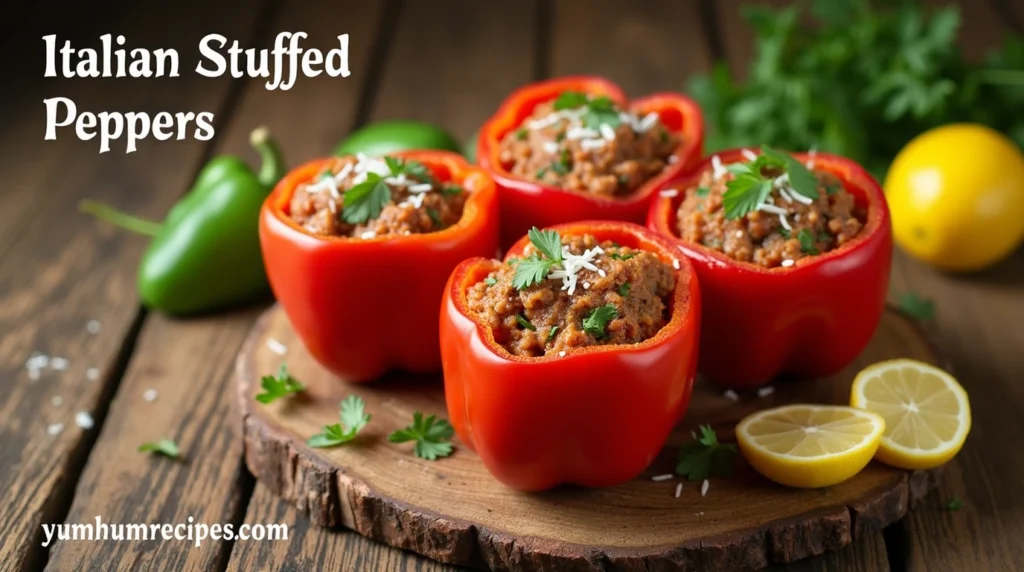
x=57 y=400
x=276 y=346
x=648 y=121
x=149 y=395
x=739 y=234
x=669 y=192
x=368 y=235
x=659 y=478
x=420 y=188
x=93 y=326
x=717 y=168
x=92 y=374
x=748 y=155
x=765 y=391
x=675 y=263
x=416 y=201
x=592 y=144
x=704 y=488
x=561 y=353
x=83 y=420
x=574 y=133
x=601 y=273
x=586 y=285
x=54 y=428
x=550 y=147
x=607 y=132
x=672 y=159
x=787 y=263
x=59 y=363
x=731 y=395
x=679 y=489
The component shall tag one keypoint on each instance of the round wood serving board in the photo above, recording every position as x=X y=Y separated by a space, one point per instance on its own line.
x=453 y=511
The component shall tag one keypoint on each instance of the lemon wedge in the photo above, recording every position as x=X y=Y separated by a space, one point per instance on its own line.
x=810 y=446
x=927 y=414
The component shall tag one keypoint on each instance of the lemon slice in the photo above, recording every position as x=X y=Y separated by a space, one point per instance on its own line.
x=810 y=446
x=927 y=414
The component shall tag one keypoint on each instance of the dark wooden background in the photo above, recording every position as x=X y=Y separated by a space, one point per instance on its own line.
x=446 y=61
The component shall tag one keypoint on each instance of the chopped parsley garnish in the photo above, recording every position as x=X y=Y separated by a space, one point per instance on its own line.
x=824 y=236
x=165 y=447
x=365 y=200
x=326 y=173
x=703 y=191
x=620 y=256
x=353 y=418
x=784 y=232
x=624 y=289
x=560 y=136
x=807 y=243
x=832 y=188
x=409 y=168
x=564 y=164
x=451 y=189
x=435 y=217
x=597 y=321
x=490 y=280
x=705 y=457
x=534 y=269
x=551 y=334
x=521 y=134
x=281 y=385
x=954 y=504
x=663 y=134
x=541 y=172
x=917 y=306
x=431 y=435
x=525 y=323
x=750 y=188
x=601 y=110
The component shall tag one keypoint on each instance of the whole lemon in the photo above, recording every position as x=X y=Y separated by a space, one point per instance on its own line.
x=956 y=194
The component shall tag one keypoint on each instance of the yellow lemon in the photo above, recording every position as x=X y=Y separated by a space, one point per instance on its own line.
x=956 y=194
x=810 y=446
x=927 y=414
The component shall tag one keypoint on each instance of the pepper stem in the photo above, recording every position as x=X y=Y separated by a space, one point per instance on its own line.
x=119 y=218
x=272 y=163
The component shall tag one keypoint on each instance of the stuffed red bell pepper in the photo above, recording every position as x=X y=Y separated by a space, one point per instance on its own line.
x=792 y=253
x=571 y=361
x=358 y=251
x=574 y=148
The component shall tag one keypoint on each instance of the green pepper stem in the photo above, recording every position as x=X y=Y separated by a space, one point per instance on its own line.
x=272 y=162
x=119 y=218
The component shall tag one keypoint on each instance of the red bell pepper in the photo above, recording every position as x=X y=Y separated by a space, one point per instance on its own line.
x=361 y=306
x=527 y=203
x=595 y=417
x=811 y=319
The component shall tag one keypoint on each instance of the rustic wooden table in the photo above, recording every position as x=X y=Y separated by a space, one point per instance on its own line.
x=447 y=61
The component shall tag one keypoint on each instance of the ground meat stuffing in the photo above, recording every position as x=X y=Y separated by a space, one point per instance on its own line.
x=403 y=198
x=624 y=301
x=814 y=226
x=606 y=152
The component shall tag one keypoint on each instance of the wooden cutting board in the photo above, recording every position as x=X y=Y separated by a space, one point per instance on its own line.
x=453 y=511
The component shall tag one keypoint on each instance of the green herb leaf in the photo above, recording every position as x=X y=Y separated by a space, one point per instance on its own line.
x=601 y=111
x=624 y=289
x=595 y=323
x=570 y=100
x=832 y=187
x=784 y=232
x=620 y=256
x=744 y=194
x=490 y=280
x=431 y=435
x=807 y=242
x=917 y=306
x=353 y=419
x=705 y=457
x=800 y=177
x=525 y=323
x=547 y=242
x=451 y=189
x=954 y=504
x=540 y=173
x=530 y=271
x=564 y=164
x=703 y=191
x=365 y=200
x=521 y=134
x=165 y=447
x=276 y=387
x=435 y=217
x=551 y=334
x=395 y=165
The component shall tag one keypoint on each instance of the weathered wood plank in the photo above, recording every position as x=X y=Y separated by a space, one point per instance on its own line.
x=435 y=75
x=189 y=362
x=59 y=269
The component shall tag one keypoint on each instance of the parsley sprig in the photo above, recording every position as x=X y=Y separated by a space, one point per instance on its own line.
x=165 y=447
x=749 y=187
x=277 y=386
x=595 y=323
x=705 y=457
x=534 y=269
x=432 y=436
x=353 y=418
x=600 y=110
x=365 y=200
x=808 y=244
x=917 y=306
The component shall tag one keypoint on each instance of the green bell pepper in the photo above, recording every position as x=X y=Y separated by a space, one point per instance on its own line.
x=206 y=254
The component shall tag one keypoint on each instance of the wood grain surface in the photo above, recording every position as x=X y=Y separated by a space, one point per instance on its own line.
x=454 y=511
x=59 y=270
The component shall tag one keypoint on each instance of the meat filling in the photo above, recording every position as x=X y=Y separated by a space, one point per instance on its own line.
x=619 y=297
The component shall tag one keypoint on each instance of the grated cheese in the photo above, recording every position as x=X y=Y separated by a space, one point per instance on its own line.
x=669 y=192
x=787 y=263
x=551 y=147
x=592 y=144
x=748 y=155
x=765 y=391
x=277 y=347
x=731 y=395
x=679 y=489
x=704 y=488
x=607 y=132
x=717 y=168
x=659 y=478
x=675 y=263
x=149 y=395
x=54 y=429
x=84 y=420
x=92 y=374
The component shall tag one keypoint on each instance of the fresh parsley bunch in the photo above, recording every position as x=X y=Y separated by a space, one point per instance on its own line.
x=861 y=81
